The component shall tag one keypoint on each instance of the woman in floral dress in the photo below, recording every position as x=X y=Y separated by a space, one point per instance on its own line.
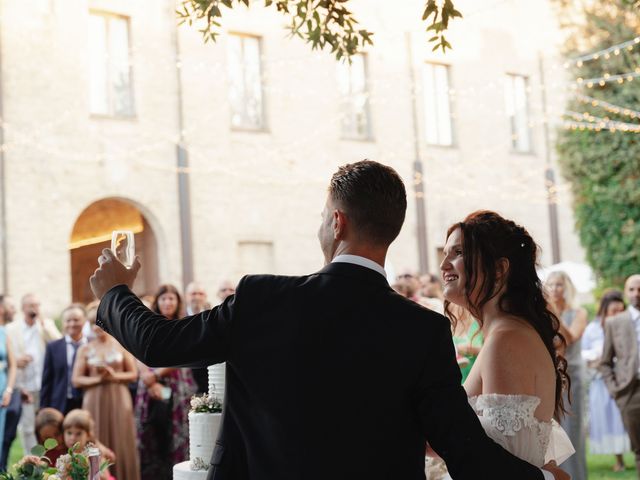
x=162 y=404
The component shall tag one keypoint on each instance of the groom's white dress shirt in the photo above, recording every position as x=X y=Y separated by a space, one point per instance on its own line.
x=365 y=262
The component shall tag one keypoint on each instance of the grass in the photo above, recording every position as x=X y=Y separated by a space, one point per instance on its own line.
x=599 y=466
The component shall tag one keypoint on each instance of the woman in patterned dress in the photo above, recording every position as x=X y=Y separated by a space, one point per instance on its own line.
x=163 y=403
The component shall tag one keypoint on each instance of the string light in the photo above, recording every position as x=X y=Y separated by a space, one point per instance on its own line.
x=606 y=53
x=607 y=78
x=599 y=124
x=609 y=107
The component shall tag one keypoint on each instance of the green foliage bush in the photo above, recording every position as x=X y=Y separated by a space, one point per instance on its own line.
x=604 y=166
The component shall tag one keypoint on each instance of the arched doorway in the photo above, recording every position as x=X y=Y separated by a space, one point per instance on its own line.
x=92 y=232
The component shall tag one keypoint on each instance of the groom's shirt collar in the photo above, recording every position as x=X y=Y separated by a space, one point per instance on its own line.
x=362 y=261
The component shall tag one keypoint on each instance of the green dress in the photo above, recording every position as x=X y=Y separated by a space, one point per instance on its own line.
x=469 y=338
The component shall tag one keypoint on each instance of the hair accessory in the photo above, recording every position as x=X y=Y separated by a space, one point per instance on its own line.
x=522 y=245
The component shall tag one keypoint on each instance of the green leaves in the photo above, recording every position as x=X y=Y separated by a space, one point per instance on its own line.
x=322 y=23
x=50 y=444
x=604 y=167
x=440 y=22
x=38 y=451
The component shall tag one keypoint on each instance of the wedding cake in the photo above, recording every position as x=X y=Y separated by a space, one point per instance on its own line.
x=204 y=423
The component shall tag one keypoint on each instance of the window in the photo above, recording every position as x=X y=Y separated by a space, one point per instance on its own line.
x=437 y=108
x=110 y=69
x=354 y=95
x=518 y=112
x=245 y=83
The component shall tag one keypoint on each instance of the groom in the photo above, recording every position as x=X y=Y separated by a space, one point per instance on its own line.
x=330 y=375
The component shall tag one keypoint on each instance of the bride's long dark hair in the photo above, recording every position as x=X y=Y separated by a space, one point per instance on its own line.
x=487 y=238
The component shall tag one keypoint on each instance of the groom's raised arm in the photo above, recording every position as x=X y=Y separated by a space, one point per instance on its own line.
x=452 y=427
x=198 y=340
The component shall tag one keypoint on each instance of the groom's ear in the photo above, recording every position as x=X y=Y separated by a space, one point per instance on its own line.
x=339 y=224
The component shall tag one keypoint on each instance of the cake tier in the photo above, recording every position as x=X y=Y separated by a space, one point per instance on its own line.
x=203 y=431
x=216 y=380
x=182 y=471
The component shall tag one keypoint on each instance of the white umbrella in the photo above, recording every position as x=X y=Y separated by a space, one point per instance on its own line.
x=581 y=274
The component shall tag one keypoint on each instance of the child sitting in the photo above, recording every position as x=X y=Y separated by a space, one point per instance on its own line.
x=49 y=425
x=77 y=429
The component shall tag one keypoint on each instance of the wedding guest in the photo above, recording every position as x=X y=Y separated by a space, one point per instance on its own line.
x=430 y=293
x=467 y=338
x=620 y=364
x=163 y=403
x=196 y=300
x=412 y=282
x=14 y=409
x=7 y=375
x=402 y=288
x=49 y=425
x=78 y=431
x=606 y=430
x=60 y=355
x=431 y=286
x=573 y=321
x=87 y=330
x=225 y=289
x=103 y=369
x=29 y=336
x=9 y=309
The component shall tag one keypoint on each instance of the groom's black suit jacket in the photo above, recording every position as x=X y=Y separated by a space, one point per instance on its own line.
x=330 y=376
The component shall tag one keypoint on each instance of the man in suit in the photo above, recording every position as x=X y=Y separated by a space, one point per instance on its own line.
x=330 y=375
x=620 y=365
x=196 y=300
x=59 y=358
x=29 y=336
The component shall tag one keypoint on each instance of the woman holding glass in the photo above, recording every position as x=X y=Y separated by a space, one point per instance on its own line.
x=104 y=369
x=163 y=403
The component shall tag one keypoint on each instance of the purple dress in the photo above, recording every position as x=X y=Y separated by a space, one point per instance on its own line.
x=163 y=427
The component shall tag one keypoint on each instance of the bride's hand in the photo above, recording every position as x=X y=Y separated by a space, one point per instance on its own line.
x=557 y=472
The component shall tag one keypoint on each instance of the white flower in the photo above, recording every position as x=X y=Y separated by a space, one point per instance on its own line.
x=198 y=464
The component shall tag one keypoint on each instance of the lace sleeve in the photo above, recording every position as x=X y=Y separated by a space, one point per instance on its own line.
x=509 y=420
x=560 y=447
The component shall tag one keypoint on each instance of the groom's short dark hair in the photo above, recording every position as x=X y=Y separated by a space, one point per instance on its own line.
x=373 y=197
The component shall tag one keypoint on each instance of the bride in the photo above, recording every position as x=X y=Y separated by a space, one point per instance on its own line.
x=515 y=385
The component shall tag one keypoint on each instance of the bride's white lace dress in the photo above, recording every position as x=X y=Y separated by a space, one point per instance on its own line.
x=509 y=420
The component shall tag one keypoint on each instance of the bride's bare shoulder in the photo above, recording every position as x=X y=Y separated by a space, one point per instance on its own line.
x=514 y=357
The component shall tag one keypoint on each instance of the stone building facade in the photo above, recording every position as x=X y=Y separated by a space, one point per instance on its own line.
x=97 y=95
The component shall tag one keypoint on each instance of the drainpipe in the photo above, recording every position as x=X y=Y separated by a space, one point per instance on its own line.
x=182 y=163
x=549 y=174
x=418 y=184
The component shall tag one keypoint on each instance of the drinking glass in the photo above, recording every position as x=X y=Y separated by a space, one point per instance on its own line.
x=123 y=246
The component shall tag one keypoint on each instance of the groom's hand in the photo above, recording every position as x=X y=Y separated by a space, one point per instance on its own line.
x=557 y=472
x=112 y=272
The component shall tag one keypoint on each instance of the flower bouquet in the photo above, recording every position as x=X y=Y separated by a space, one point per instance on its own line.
x=207 y=403
x=72 y=466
